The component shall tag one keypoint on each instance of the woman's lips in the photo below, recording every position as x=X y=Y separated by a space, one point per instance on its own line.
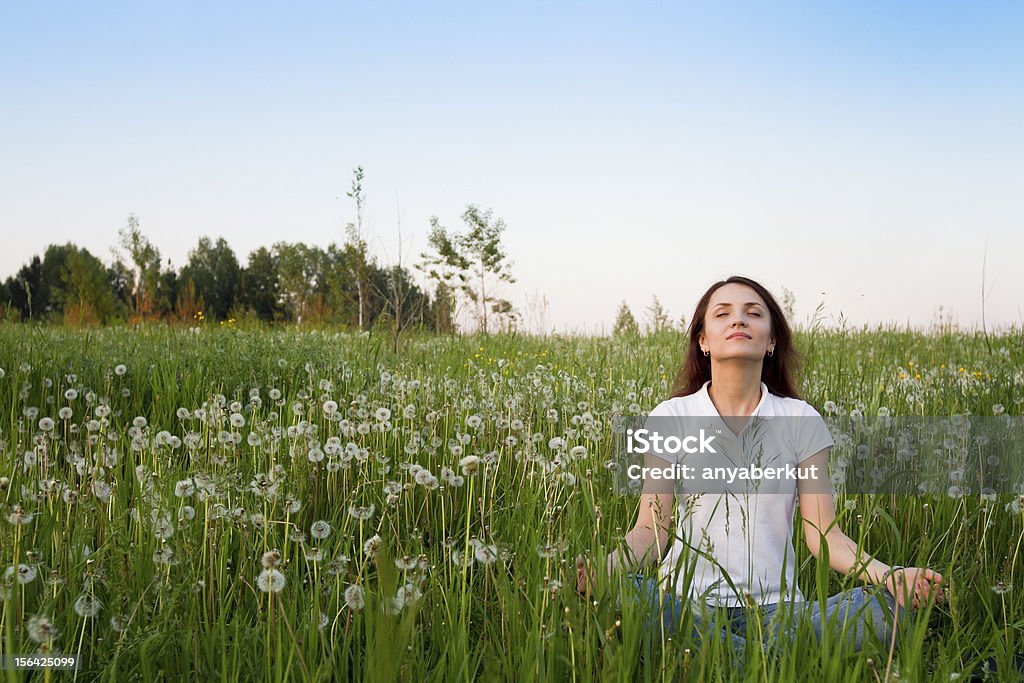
x=738 y=335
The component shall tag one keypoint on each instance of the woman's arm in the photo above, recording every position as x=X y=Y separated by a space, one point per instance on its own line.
x=649 y=538
x=819 y=520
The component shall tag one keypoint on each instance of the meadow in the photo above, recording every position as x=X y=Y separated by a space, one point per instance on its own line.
x=269 y=504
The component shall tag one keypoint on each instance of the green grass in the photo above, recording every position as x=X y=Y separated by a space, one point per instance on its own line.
x=203 y=616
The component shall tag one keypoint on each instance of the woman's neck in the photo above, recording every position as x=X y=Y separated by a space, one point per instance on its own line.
x=735 y=388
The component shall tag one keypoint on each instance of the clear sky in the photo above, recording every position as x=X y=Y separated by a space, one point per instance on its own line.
x=860 y=154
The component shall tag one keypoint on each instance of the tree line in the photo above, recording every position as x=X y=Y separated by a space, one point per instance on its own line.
x=342 y=284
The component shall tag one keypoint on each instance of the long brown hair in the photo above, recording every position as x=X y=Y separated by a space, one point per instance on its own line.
x=777 y=370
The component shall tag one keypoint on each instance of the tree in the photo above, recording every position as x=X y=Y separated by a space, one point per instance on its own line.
x=625 y=323
x=657 y=316
x=299 y=275
x=189 y=305
x=259 y=285
x=25 y=289
x=85 y=290
x=447 y=267
x=120 y=279
x=356 y=250
x=475 y=260
x=213 y=268
x=146 y=258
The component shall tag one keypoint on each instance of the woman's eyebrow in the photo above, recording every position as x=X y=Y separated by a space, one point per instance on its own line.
x=749 y=303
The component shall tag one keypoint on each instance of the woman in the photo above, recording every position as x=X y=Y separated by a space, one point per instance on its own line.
x=738 y=365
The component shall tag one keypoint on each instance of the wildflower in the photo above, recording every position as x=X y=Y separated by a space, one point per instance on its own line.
x=120 y=369
x=164 y=555
x=337 y=565
x=162 y=528
x=556 y=443
x=320 y=530
x=87 y=606
x=330 y=407
x=578 y=452
x=355 y=599
x=362 y=513
x=314 y=555
x=486 y=554
x=382 y=414
x=41 y=629
x=405 y=563
x=270 y=581
x=474 y=421
x=998 y=409
x=18 y=516
x=237 y=420
x=292 y=505
x=372 y=546
x=1001 y=588
x=253 y=439
x=547 y=551
x=184 y=488
x=271 y=559
x=25 y=573
x=46 y=424
x=65 y=413
x=470 y=464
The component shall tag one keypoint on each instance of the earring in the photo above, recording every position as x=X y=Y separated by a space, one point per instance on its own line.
x=707 y=352
x=771 y=352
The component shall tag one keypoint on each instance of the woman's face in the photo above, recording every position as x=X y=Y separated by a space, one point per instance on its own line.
x=737 y=325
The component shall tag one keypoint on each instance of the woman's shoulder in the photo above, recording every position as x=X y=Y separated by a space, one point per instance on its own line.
x=676 y=406
x=794 y=407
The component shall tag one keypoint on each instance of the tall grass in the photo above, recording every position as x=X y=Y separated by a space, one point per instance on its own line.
x=464 y=575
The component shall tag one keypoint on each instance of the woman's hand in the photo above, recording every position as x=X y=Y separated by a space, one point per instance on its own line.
x=916 y=584
x=584 y=576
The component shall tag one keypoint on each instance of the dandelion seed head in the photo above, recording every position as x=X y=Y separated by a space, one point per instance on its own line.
x=320 y=529
x=355 y=599
x=270 y=581
x=41 y=629
x=87 y=606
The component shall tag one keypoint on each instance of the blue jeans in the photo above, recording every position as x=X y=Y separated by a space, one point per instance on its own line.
x=852 y=615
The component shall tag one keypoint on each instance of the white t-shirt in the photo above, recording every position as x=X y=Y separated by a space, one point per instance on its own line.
x=749 y=535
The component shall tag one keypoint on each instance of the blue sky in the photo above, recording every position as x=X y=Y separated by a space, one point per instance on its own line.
x=860 y=154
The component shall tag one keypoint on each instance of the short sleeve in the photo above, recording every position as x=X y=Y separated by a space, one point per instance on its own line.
x=663 y=414
x=812 y=434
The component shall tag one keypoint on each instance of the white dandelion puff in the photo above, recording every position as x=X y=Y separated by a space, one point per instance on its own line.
x=362 y=513
x=320 y=529
x=271 y=559
x=355 y=599
x=270 y=581
x=87 y=606
x=41 y=629
x=373 y=546
x=470 y=464
x=486 y=554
